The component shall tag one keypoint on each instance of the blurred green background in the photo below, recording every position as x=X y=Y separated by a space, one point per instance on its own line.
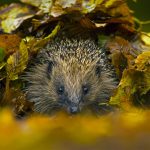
x=141 y=10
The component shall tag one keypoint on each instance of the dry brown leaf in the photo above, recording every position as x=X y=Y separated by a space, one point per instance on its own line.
x=10 y=43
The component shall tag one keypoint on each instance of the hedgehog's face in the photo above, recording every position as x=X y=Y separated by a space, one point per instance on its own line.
x=77 y=86
x=70 y=86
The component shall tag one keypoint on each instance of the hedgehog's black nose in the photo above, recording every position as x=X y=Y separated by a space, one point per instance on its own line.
x=73 y=109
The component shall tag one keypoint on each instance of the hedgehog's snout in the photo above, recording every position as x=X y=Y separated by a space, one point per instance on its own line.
x=73 y=108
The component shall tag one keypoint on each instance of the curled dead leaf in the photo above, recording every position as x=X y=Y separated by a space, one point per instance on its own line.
x=13 y=16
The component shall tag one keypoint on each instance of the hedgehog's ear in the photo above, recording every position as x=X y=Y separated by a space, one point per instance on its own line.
x=50 y=67
x=98 y=70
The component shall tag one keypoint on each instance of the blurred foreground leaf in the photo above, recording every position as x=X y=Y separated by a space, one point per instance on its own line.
x=127 y=130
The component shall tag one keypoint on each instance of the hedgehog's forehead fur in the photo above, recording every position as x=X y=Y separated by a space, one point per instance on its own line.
x=73 y=67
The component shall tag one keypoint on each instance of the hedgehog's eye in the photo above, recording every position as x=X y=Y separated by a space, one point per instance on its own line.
x=85 y=90
x=61 y=90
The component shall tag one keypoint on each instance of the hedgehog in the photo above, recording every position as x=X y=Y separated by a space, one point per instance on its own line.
x=70 y=74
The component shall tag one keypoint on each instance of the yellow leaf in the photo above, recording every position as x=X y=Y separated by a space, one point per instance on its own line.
x=17 y=62
x=13 y=15
x=146 y=38
x=142 y=62
x=2 y=64
x=35 y=44
x=109 y=3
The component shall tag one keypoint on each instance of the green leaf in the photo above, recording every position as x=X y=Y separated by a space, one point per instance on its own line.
x=102 y=39
x=2 y=64
x=2 y=54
